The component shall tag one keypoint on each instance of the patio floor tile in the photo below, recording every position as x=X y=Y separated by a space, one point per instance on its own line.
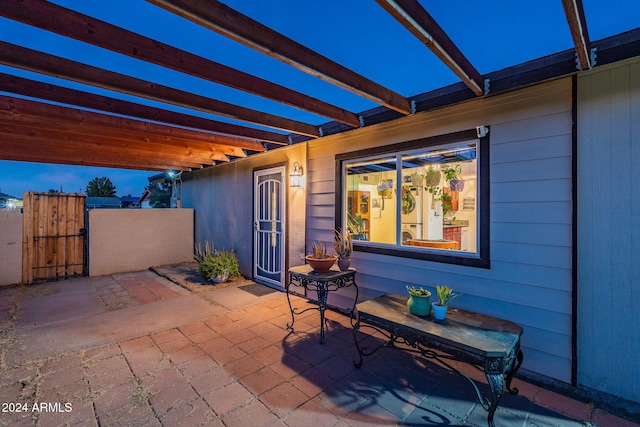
x=253 y=414
x=228 y=398
x=283 y=399
x=193 y=413
x=236 y=365
x=211 y=380
x=262 y=380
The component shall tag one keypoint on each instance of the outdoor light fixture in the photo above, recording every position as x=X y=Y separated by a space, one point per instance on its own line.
x=296 y=175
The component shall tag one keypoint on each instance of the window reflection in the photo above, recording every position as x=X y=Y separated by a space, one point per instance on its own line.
x=420 y=200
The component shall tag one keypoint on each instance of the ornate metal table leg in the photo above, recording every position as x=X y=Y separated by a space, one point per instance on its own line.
x=496 y=384
x=322 y=305
x=289 y=325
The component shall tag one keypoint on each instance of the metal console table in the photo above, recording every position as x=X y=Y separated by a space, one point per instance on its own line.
x=323 y=283
x=490 y=344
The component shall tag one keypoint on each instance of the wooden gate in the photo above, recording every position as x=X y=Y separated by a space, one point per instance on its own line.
x=53 y=237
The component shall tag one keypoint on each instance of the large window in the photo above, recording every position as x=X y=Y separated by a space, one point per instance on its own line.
x=424 y=199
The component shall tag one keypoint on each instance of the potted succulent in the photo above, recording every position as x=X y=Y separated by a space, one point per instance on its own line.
x=445 y=294
x=216 y=266
x=419 y=302
x=320 y=259
x=452 y=176
x=343 y=244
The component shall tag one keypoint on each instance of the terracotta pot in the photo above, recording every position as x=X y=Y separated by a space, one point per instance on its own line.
x=321 y=265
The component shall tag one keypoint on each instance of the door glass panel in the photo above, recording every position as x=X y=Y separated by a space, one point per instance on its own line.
x=269 y=262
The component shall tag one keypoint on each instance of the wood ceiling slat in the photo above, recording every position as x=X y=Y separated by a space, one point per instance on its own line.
x=50 y=92
x=149 y=143
x=51 y=17
x=153 y=142
x=32 y=60
x=230 y=23
x=26 y=150
x=418 y=21
x=106 y=145
x=574 y=11
x=90 y=123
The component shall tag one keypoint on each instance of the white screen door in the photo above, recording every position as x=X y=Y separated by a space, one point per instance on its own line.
x=269 y=222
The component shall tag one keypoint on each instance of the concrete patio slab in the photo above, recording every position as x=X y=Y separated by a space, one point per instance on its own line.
x=145 y=351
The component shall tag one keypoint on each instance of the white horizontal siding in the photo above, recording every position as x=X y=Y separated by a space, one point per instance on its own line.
x=532 y=234
x=533 y=212
x=529 y=281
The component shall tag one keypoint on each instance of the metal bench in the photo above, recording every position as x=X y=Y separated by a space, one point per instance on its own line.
x=491 y=344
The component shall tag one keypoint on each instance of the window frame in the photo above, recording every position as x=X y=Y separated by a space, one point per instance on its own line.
x=481 y=258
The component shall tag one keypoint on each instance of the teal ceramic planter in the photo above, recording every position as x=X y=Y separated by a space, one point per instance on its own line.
x=419 y=305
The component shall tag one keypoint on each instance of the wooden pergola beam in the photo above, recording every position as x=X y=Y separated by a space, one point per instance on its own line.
x=35 y=89
x=114 y=142
x=39 y=62
x=50 y=140
x=47 y=116
x=51 y=17
x=224 y=20
x=418 y=21
x=26 y=150
x=574 y=11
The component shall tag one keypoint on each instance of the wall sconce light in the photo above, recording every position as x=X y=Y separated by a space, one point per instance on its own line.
x=296 y=175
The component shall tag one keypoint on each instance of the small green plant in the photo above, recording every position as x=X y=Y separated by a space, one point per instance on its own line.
x=203 y=251
x=343 y=243
x=408 y=201
x=445 y=294
x=213 y=263
x=418 y=292
x=319 y=250
x=452 y=172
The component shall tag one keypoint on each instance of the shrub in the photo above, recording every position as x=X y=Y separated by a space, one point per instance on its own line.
x=213 y=263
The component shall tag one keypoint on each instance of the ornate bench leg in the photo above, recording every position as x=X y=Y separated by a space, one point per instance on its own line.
x=514 y=368
x=355 y=318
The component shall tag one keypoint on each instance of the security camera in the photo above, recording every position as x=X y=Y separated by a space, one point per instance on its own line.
x=482 y=131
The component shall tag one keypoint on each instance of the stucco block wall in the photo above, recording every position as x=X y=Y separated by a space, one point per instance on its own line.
x=122 y=240
x=10 y=247
x=608 y=232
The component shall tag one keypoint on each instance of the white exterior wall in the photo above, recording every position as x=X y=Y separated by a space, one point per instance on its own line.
x=10 y=247
x=608 y=232
x=122 y=240
x=222 y=198
x=529 y=281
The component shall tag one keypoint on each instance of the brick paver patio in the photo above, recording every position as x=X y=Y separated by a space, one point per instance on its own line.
x=236 y=365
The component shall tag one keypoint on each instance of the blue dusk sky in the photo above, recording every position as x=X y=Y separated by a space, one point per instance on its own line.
x=359 y=34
